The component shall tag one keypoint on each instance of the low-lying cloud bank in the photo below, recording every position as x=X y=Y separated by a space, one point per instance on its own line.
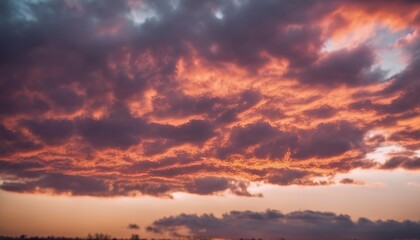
x=272 y=224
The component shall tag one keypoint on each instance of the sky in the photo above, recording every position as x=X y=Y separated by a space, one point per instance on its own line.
x=210 y=119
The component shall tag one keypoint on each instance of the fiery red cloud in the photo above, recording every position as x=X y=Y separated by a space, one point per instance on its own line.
x=108 y=98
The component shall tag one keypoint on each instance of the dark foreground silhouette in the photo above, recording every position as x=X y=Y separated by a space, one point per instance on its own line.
x=97 y=236
x=100 y=236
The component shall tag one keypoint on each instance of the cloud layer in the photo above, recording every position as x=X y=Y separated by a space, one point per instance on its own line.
x=108 y=98
x=273 y=224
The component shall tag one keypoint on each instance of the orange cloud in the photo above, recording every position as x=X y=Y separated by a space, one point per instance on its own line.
x=96 y=104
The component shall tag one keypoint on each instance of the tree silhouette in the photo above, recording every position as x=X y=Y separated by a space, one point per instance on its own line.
x=99 y=236
x=135 y=237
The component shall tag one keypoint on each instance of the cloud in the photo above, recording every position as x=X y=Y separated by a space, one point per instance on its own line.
x=290 y=176
x=351 y=181
x=324 y=111
x=14 y=142
x=210 y=185
x=133 y=226
x=60 y=183
x=404 y=162
x=51 y=131
x=350 y=67
x=119 y=129
x=194 y=131
x=246 y=136
x=200 y=97
x=24 y=169
x=329 y=139
x=66 y=100
x=274 y=224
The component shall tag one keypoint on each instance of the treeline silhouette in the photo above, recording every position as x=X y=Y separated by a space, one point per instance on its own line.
x=101 y=236
x=96 y=236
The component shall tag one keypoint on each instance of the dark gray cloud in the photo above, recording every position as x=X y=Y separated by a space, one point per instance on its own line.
x=194 y=131
x=347 y=181
x=15 y=141
x=321 y=112
x=60 y=183
x=51 y=131
x=273 y=224
x=349 y=67
x=211 y=185
x=279 y=147
x=325 y=140
x=411 y=163
x=175 y=104
x=351 y=181
x=288 y=176
x=246 y=136
x=119 y=129
x=329 y=139
x=23 y=169
x=133 y=226
x=157 y=188
x=122 y=130
x=406 y=135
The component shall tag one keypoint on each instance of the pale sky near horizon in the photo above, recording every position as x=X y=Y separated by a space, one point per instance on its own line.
x=386 y=195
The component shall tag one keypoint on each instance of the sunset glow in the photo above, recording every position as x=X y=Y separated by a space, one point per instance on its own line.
x=210 y=119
